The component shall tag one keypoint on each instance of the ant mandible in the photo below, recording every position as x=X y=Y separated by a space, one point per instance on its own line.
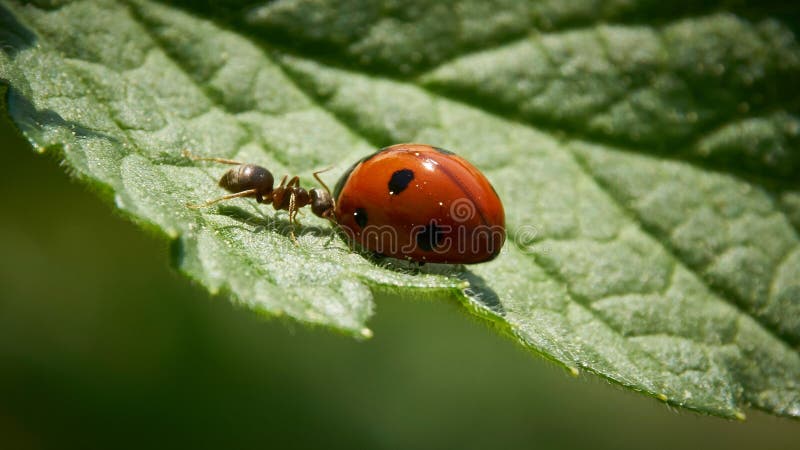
x=250 y=180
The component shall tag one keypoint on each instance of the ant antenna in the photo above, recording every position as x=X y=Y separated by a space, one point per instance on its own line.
x=319 y=180
x=327 y=189
x=187 y=154
x=246 y=193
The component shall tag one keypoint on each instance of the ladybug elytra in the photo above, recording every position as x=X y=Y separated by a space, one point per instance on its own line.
x=418 y=202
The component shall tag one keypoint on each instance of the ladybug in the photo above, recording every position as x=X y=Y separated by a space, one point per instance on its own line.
x=406 y=201
x=422 y=203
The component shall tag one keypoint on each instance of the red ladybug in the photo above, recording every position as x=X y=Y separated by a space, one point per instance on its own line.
x=407 y=201
x=422 y=203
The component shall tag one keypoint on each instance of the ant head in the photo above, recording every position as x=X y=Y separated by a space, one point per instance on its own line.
x=321 y=203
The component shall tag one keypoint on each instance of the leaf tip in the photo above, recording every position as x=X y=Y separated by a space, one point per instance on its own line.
x=366 y=333
x=574 y=371
x=662 y=397
x=740 y=416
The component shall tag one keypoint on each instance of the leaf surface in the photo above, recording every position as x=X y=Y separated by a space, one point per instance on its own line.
x=648 y=167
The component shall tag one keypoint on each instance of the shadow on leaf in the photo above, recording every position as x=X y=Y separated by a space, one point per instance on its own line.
x=27 y=116
x=14 y=37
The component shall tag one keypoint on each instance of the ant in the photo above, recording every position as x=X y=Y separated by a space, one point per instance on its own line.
x=250 y=180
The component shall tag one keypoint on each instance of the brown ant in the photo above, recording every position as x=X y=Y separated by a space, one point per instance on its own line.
x=250 y=180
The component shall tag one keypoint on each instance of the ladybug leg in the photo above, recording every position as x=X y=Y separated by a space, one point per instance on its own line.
x=187 y=154
x=246 y=193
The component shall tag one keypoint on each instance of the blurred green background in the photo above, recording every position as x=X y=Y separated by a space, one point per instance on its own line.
x=103 y=345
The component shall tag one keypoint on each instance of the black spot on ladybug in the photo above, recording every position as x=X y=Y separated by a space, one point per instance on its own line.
x=399 y=181
x=443 y=151
x=430 y=237
x=360 y=215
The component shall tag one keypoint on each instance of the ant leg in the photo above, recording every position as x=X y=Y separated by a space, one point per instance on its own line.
x=293 y=209
x=292 y=215
x=193 y=157
x=294 y=181
x=246 y=193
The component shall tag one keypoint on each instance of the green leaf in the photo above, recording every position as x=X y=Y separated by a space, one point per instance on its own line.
x=648 y=168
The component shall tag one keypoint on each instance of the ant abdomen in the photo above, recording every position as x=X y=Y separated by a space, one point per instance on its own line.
x=248 y=177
